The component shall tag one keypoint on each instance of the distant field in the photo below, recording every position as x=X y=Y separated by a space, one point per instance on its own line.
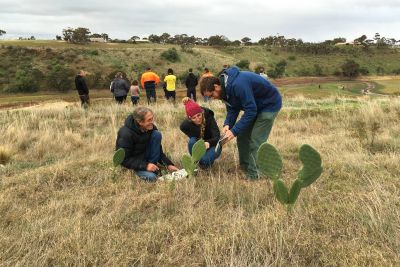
x=390 y=87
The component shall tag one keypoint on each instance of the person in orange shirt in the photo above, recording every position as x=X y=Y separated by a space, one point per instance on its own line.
x=149 y=81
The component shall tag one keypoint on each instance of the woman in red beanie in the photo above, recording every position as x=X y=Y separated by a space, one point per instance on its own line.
x=200 y=123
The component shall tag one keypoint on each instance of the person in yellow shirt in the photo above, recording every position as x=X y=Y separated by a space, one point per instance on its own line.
x=170 y=80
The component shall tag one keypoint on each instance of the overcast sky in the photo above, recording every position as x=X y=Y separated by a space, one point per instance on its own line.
x=308 y=20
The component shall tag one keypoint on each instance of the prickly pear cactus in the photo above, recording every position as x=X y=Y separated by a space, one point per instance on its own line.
x=312 y=168
x=188 y=164
x=269 y=161
x=294 y=191
x=281 y=191
x=198 y=150
x=119 y=157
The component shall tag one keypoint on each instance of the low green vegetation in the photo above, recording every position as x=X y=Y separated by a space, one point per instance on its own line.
x=101 y=60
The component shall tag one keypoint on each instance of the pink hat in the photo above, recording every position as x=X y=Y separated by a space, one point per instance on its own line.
x=192 y=108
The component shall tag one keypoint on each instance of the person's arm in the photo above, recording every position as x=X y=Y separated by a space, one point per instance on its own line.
x=164 y=160
x=231 y=116
x=142 y=81
x=185 y=128
x=126 y=85
x=187 y=81
x=250 y=109
x=157 y=79
x=214 y=133
x=130 y=161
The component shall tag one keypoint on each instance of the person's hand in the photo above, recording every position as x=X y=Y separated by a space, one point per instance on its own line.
x=151 y=167
x=207 y=145
x=172 y=168
x=229 y=136
x=225 y=129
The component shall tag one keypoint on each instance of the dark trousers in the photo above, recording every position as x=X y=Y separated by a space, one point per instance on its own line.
x=120 y=99
x=191 y=93
x=134 y=99
x=84 y=99
x=152 y=155
x=151 y=95
x=170 y=95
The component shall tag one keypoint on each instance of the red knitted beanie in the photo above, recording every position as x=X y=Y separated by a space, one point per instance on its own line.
x=192 y=108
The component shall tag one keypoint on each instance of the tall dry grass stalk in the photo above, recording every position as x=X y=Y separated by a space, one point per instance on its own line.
x=59 y=206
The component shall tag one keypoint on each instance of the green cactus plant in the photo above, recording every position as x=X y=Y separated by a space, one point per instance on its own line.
x=311 y=165
x=281 y=191
x=269 y=163
x=118 y=158
x=190 y=162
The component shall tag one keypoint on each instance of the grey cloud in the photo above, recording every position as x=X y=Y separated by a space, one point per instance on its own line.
x=309 y=20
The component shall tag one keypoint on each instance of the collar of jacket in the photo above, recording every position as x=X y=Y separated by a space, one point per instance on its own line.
x=223 y=78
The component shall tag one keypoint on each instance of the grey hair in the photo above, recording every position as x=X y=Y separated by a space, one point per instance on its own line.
x=140 y=112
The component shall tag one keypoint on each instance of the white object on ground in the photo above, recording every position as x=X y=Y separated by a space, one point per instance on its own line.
x=176 y=175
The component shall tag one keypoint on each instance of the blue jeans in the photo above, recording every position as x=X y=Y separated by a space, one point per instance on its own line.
x=152 y=155
x=208 y=159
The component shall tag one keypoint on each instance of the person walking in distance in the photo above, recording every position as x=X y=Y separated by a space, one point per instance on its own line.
x=149 y=81
x=120 y=88
x=135 y=92
x=82 y=88
x=170 y=81
x=191 y=83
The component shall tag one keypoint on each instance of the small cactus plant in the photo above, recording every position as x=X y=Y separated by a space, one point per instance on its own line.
x=190 y=162
x=118 y=158
x=269 y=163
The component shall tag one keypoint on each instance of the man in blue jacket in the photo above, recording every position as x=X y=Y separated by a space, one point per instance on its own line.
x=258 y=98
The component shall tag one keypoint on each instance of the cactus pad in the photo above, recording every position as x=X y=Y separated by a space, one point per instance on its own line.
x=281 y=191
x=198 y=150
x=269 y=161
x=295 y=191
x=188 y=164
x=312 y=168
x=118 y=157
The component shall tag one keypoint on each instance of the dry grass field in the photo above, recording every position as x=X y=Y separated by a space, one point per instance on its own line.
x=60 y=206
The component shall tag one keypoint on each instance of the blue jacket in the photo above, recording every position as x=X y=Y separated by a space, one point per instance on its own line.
x=251 y=93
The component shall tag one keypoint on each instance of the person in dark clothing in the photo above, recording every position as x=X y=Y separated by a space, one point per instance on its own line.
x=82 y=88
x=191 y=83
x=258 y=98
x=141 y=141
x=120 y=88
x=201 y=124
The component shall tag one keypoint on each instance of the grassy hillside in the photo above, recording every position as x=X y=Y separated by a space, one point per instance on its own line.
x=102 y=60
x=59 y=205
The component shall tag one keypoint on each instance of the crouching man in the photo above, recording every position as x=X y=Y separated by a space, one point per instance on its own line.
x=141 y=141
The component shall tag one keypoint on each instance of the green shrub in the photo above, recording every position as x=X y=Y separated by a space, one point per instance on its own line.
x=243 y=64
x=60 y=78
x=350 y=68
x=27 y=79
x=171 y=55
x=364 y=71
x=318 y=70
x=95 y=80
